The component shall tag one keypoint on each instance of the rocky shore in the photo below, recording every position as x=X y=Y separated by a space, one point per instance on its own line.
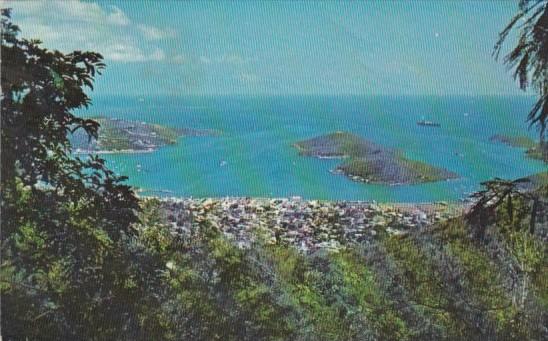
x=307 y=225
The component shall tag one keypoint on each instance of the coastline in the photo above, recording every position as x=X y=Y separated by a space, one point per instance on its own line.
x=120 y=151
x=308 y=225
x=432 y=205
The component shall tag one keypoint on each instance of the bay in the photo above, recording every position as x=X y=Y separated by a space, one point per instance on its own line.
x=253 y=156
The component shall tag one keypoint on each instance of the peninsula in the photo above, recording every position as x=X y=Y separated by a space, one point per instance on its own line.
x=532 y=147
x=125 y=136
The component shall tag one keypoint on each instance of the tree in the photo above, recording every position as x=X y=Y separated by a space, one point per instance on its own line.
x=529 y=58
x=506 y=195
x=68 y=266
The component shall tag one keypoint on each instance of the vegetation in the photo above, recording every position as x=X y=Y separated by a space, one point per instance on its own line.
x=440 y=283
x=533 y=149
x=518 y=141
x=538 y=152
x=66 y=222
x=369 y=162
x=123 y=135
x=539 y=179
x=83 y=258
x=338 y=144
x=169 y=135
x=529 y=58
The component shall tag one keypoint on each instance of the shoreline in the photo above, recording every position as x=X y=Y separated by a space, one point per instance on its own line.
x=308 y=225
x=399 y=204
x=119 y=151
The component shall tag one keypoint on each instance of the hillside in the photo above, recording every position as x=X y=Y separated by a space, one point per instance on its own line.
x=341 y=271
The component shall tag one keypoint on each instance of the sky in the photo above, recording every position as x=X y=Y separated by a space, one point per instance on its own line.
x=280 y=48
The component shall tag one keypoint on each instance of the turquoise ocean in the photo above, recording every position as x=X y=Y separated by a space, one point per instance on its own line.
x=253 y=156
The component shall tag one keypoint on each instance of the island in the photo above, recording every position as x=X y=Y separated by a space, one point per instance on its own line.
x=366 y=161
x=126 y=136
x=533 y=149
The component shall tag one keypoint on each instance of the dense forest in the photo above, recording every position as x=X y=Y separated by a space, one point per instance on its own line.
x=84 y=258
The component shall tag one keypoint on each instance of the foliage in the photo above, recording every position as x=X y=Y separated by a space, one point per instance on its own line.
x=66 y=222
x=434 y=284
x=500 y=193
x=411 y=171
x=529 y=58
x=82 y=258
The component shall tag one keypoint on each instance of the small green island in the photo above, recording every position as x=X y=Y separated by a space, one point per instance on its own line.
x=366 y=161
x=533 y=148
x=126 y=136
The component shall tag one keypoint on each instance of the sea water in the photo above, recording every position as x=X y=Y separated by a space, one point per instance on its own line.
x=253 y=156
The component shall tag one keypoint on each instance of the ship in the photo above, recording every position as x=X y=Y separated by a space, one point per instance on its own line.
x=425 y=123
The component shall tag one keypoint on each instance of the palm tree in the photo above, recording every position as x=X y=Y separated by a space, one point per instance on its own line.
x=529 y=58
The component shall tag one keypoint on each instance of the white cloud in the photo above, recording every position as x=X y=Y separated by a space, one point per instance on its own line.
x=79 y=25
x=155 y=33
x=227 y=58
x=127 y=53
x=117 y=17
x=232 y=58
x=180 y=59
x=248 y=77
x=205 y=59
x=158 y=54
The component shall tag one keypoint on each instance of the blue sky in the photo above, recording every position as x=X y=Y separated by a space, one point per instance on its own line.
x=279 y=48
